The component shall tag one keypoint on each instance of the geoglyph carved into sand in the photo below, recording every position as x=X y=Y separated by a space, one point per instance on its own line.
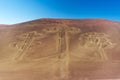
x=99 y=41
x=26 y=40
x=63 y=47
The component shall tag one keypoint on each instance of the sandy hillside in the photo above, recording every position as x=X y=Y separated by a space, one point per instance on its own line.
x=60 y=49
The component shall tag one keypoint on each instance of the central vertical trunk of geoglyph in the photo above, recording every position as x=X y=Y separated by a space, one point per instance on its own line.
x=63 y=49
x=64 y=54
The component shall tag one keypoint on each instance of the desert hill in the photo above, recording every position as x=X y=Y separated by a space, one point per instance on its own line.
x=60 y=49
x=2 y=26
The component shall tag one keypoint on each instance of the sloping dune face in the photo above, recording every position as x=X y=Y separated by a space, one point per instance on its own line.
x=60 y=49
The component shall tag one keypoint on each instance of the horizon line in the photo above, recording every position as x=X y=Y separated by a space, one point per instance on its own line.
x=60 y=19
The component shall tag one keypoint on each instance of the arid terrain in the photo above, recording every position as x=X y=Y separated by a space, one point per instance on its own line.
x=60 y=49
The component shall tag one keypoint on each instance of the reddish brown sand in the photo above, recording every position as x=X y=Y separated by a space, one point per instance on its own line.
x=60 y=49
